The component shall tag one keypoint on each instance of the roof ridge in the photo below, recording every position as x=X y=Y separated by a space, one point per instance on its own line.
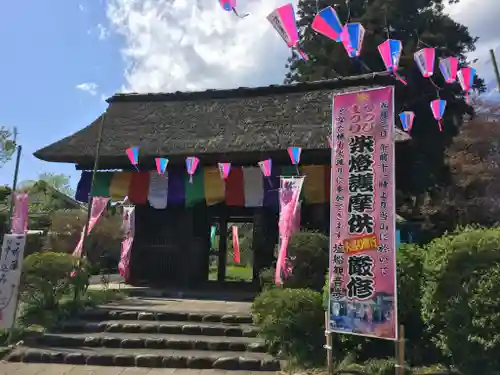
x=297 y=87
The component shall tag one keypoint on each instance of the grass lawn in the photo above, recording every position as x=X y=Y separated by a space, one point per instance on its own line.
x=233 y=273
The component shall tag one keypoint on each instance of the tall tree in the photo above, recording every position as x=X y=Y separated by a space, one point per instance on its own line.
x=417 y=23
x=474 y=160
x=7 y=144
x=58 y=181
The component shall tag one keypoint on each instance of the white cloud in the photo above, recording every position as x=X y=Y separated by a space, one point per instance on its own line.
x=192 y=45
x=82 y=8
x=88 y=87
x=482 y=22
x=103 y=32
x=181 y=45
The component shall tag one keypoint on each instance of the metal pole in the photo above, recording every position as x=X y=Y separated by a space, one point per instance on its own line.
x=495 y=68
x=12 y=197
x=91 y=194
x=14 y=184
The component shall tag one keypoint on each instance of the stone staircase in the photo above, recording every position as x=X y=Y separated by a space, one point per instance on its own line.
x=110 y=336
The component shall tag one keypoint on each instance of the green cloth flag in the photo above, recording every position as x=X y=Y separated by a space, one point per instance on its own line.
x=102 y=184
x=195 y=192
x=213 y=230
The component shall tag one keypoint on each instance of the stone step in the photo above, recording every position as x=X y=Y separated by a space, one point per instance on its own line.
x=152 y=341
x=174 y=328
x=146 y=358
x=101 y=314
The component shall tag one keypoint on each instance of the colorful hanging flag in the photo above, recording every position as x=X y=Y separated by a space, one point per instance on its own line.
x=191 y=165
x=161 y=165
x=128 y=227
x=352 y=38
x=407 y=119
x=236 y=245
x=438 y=107
x=230 y=6
x=327 y=23
x=287 y=225
x=133 y=156
x=98 y=206
x=120 y=185
x=466 y=78
x=294 y=153
x=449 y=68
x=283 y=21
x=390 y=51
x=266 y=167
x=253 y=187
x=224 y=169
x=425 y=61
x=19 y=221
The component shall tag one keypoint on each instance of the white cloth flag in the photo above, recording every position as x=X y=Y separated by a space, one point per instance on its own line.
x=158 y=190
x=253 y=184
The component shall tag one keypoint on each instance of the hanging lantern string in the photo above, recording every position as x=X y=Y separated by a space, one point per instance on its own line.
x=386 y=23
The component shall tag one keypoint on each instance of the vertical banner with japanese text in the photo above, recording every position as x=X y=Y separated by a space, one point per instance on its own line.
x=128 y=228
x=10 y=274
x=363 y=296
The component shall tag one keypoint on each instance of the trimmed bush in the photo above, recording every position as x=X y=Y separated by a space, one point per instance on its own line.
x=291 y=322
x=308 y=254
x=44 y=281
x=461 y=299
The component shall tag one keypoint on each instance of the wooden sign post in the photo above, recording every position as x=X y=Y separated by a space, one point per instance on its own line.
x=328 y=345
x=400 y=351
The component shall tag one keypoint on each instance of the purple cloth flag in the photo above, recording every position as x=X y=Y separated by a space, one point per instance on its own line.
x=83 y=187
x=271 y=187
x=176 y=188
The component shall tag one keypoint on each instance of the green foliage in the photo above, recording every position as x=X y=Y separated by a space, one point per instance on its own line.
x=45 y=277
x=461 y=299
x=266 y=278
x=291 y=322
x=104 y=240
x=7 y=145
x=308 y=252
x=58 y=181
x=34 y=244
x=44 y=281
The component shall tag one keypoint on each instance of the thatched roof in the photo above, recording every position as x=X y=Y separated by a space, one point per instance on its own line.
x=239 y=125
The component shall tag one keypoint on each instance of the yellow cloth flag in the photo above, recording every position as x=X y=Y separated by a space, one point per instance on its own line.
x=119 y=185
x=214 y=186
x=314 y=183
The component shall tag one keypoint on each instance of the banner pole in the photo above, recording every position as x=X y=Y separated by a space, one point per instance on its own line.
x=11 y=209
x=400 y=351
x=92 y=183
x=328 y=346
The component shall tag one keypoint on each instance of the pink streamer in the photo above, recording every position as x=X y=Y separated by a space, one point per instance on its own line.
x=98 y=206
x=236 y=245
x=289 y=223
x=19 y=223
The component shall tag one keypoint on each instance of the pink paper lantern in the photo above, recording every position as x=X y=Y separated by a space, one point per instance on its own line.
x=390 y=51
x=425 y=61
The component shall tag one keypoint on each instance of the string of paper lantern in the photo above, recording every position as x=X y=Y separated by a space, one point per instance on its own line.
x=327 y=23
x=192 y=163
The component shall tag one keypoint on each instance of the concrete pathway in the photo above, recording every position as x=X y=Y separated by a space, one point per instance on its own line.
x=184 y=305
x=45 y=369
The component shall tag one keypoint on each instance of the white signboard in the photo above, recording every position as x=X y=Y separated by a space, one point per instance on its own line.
x=10 y=275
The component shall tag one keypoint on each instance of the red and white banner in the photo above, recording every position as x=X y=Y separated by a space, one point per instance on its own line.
x=236 y=245
x=98 y=206
x=19 y=223
x=129 y=233
x=289 y=221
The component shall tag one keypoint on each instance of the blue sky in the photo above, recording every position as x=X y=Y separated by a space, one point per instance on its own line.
x=62 y=58
x=47 y=51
